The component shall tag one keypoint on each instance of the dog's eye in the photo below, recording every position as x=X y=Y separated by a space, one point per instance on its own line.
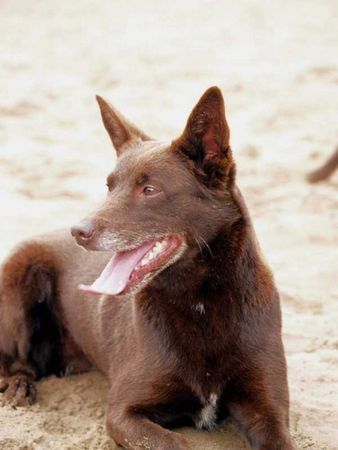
x=150 y=190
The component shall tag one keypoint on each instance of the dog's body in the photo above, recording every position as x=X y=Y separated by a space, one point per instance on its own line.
x=188 y=328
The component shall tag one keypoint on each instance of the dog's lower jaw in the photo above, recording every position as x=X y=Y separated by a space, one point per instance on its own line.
x=147 y=280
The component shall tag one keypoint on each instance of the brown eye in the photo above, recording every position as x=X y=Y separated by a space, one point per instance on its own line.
x=150 y=190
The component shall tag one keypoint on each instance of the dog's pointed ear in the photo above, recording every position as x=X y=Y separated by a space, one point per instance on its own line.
x=205 y=139
x=121 y=131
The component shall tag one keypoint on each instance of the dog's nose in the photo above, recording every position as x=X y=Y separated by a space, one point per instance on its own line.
x=83 y=231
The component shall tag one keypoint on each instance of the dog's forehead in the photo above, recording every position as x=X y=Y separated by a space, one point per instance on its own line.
x=143 y=157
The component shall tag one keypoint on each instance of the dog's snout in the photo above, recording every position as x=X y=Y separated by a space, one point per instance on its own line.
x=83 y=231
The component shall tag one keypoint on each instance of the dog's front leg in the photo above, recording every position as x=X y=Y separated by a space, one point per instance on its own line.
x=262 y=418
x=264 y=430
x=134 y=431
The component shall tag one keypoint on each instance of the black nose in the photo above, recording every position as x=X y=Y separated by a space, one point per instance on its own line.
x=83 y=231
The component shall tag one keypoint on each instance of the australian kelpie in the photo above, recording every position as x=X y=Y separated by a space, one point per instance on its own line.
x=173 y=301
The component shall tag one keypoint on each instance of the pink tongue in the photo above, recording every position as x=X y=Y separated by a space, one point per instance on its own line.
x=114 y=277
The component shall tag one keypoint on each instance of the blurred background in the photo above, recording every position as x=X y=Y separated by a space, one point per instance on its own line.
x=277 y=65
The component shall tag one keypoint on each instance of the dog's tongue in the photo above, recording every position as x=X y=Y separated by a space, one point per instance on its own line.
x=114 y=277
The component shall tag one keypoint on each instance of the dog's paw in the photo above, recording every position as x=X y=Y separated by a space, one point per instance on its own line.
x=17 y=390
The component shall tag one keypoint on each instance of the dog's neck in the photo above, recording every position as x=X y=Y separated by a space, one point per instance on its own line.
x=202 y=300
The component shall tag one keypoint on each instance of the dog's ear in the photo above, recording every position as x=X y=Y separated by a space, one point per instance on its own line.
x=205 y=140
x=121 y=131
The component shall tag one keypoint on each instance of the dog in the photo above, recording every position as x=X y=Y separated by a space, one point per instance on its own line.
x=173 y=301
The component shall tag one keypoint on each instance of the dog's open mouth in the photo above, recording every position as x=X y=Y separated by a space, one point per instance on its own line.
x=127 y=269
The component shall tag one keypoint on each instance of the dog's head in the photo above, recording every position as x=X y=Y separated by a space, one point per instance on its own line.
x=165 y=202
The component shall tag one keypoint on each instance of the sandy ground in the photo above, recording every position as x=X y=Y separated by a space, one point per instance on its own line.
x=277 y=65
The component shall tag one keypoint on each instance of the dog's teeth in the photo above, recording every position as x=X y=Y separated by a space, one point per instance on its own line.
x=159 y=246
x=152 y=254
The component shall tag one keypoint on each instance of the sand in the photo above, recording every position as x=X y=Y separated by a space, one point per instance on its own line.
x=276 y=63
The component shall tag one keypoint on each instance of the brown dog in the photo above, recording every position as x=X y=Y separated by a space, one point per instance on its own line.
x=187 y=324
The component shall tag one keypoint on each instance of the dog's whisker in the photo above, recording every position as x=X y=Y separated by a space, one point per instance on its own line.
x=207 y=246
x=199 y=244
x=200 y=240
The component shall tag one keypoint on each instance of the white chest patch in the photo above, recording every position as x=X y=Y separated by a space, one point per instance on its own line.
x=200 y=308
x=208 y=414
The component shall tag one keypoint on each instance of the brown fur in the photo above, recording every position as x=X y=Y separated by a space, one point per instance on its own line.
x=200 y=340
